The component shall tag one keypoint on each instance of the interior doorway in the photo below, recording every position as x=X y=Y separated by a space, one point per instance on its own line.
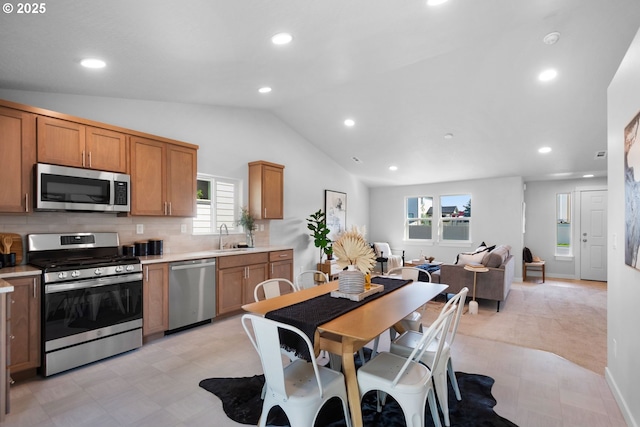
x=593 y=235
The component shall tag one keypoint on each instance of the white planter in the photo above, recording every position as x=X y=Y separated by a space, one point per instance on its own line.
x=351 y=281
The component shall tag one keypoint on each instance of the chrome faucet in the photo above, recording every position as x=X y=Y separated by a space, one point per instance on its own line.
x=227 y=230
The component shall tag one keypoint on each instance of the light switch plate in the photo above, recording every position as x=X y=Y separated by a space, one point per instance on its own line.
x=183 y=228
x=139 y=228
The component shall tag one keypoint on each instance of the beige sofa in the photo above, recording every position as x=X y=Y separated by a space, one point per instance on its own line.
x=494 y=284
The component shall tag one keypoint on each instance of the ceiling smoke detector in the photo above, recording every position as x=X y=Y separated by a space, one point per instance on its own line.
x=355 y=159
x=551 y=38
x=601 y=154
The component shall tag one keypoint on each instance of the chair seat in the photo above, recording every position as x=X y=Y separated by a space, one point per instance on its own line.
x=300 y=381
x=407 y=341
x=382 y=370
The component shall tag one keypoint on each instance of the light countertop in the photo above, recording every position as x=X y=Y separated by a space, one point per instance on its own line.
x=19 y=271
x=185 y=256
x=5 y=287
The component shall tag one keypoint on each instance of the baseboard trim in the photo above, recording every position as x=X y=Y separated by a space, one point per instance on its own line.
x=622 y=404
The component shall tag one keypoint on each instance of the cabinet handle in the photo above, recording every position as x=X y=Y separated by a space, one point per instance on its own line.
x=13 y=337
x=283 y=255
x=34 y=288
x=82 y=158
x=146 y=273
x=265 y=213
x=271 y=270
x=11 y=380
x=169 y=208
x=90 y=159
x=26 y=202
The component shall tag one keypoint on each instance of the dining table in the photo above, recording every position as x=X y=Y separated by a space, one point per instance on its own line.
x=351 y=331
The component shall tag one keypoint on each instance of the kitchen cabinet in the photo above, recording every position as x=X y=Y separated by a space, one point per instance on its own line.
x=266 y=190
x=163 y=178
x=281 y=266
x=4 y=349
x=67 y=143
x=155 y=299
x=18 y=138
x=237 y=277
x=24 y=323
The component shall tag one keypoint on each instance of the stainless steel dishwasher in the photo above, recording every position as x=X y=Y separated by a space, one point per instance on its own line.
x=192 y=292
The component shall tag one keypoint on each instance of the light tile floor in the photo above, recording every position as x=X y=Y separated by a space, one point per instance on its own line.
x=157 y=385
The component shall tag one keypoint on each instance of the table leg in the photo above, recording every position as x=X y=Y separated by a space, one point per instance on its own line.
x=353 y=392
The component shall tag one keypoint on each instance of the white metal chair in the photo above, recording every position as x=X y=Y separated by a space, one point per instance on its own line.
x=271 y=288
x=310 y=278
x=300 y=388
x=405 y=344
x=406 y=379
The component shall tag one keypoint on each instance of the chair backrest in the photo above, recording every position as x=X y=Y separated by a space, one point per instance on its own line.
x=311 y=278
x=265 y=337
x=271 y=288
x=440 y=325
x=456 y=300
x=382 y=249
x=409 y=273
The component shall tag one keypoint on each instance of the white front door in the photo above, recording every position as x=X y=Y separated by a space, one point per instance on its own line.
x=593 y=235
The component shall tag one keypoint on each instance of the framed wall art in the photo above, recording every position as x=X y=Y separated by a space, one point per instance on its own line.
x=335 y=207
x=632 y=192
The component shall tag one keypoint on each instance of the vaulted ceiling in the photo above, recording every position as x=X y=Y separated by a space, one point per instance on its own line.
x=407 y=73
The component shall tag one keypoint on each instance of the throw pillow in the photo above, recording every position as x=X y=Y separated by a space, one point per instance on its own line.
x=470 y=258
x=497 y=257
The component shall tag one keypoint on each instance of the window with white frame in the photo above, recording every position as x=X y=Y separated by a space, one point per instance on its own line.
x=418 y=218
x=563 y=224
x=455 y=218
x=218 y=202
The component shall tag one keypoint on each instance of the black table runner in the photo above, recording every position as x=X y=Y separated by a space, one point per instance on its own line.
x=308 y=315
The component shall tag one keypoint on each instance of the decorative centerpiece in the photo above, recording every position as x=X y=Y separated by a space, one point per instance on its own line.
x=354 y=253
x=248 y=222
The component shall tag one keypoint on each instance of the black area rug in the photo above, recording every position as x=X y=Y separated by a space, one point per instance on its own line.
x=241 y=402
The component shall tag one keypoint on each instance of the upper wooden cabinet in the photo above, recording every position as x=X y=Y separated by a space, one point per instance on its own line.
x=18 y=142
x=163 y=178
x=266 y=190
x=67 y=143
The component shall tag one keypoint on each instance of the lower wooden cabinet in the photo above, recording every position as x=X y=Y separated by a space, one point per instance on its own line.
x=237 y=277
x=281 y=267
x=24 y=323
x=155 y=299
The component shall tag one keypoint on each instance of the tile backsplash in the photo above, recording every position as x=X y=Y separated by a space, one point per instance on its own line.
x=166 y=228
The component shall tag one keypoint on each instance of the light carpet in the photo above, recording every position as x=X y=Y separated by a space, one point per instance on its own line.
x=565 y=317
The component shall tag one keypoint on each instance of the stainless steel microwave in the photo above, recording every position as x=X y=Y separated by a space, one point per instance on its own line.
x=74 y=189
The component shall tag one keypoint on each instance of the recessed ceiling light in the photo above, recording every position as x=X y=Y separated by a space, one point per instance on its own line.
x=551 y=38
x=349 y=122
x=393 y=168
x=448 y=136
x=93 y=63
x=547 y=75
x=589 y=175
x=265 y=89
x=436 y=2
x=544 y=150
x=282 y=38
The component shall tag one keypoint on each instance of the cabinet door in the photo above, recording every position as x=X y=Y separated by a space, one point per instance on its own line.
x=24 y=324
x=60 y=142
x=230 y=289
x=147 y=177
x=106 y=150
x=17 y=136
x=155 y=297
x=272 y=192
x=181 y=180
x=256 y=273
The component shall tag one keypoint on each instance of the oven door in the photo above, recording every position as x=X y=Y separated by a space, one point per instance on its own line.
x=75 y=312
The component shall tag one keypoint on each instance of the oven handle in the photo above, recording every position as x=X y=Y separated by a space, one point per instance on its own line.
x=92 y=283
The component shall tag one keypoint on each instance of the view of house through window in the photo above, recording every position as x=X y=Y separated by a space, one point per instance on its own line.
x=455 y=217
x=563 y=221
x=418 y=219
x=218 y=202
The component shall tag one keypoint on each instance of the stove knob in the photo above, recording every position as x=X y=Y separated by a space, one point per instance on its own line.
x=119 y=269
x=62 y=275
x=75 y=273
x=98 y=271
x=130 y=267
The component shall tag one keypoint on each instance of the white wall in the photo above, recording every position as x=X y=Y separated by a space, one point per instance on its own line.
x=623 y=297
x=496 y=212
x=540 y=235
x=230 y=138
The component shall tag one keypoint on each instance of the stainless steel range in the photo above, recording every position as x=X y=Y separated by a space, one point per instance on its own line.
x=92 y=298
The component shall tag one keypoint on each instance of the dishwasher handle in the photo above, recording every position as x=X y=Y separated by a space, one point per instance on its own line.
x=192 y=266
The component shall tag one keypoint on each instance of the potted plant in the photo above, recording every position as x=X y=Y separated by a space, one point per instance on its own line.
x=248 y=222
x=320 y=232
